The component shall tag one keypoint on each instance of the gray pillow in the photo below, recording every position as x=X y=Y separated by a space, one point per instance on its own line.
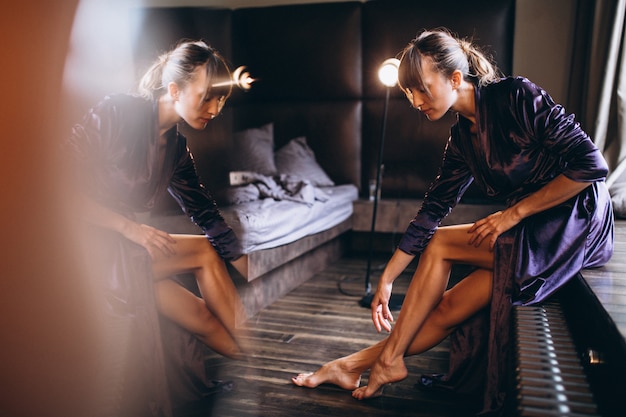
x=296 y=158
x=253 y=150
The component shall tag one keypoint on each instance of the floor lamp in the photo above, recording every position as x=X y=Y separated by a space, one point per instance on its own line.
x=388 y=75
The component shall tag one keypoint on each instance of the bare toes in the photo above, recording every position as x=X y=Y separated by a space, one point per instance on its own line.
x=301 y=379
x=362 y=393
x=358 y=393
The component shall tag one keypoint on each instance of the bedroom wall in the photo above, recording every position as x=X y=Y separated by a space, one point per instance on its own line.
x=100 y=60
x=543 y=36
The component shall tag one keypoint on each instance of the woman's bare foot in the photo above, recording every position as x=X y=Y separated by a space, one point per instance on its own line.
x=381 y=375
x=334 y=372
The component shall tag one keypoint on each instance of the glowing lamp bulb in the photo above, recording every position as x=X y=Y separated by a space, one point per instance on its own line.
x=388 y=72
x=242 y=78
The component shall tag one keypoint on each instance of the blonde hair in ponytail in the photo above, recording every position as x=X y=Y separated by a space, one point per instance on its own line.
x=179 y=64
x=151 y=82
x=480 y=65
x=448 y=54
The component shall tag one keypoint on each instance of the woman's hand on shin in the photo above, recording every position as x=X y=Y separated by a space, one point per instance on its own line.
x=381 y=315
x=557 y=191
x=156 y=242
x=491 y=227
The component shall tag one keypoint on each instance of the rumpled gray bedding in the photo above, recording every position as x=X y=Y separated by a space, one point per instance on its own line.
x=289 y=210
x=279 y=187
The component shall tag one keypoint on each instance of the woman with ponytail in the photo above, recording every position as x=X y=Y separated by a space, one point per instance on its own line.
x=518 y=145
x=128 y=152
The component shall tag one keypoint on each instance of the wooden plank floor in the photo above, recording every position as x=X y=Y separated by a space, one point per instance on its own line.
x=314 y=324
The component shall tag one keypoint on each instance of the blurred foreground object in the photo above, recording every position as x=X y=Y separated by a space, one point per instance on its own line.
x=47 y=314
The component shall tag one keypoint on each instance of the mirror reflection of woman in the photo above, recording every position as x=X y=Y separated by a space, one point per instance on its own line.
x=128 y=152
x=514 y=142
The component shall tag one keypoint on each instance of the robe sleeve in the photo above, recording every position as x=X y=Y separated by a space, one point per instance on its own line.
x=557 y=131
x=442 y=196
x=200 y=206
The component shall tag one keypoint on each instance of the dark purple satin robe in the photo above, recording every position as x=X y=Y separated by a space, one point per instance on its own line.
x=122 y=165
x=523 y=141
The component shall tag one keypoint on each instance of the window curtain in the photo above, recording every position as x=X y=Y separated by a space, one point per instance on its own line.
x=597 y=90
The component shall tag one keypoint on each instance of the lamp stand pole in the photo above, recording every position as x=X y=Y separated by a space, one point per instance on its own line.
x=396 y=300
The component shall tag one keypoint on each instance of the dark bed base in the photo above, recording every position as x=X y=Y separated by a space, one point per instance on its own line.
x=278 y=271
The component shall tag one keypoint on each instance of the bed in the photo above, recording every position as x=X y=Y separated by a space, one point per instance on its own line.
x=267 y=223
x=277 y=197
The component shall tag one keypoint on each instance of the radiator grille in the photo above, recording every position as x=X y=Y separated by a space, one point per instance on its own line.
x=550 y=379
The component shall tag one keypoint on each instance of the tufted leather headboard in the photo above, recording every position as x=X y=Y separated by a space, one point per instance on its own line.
x=317 y=67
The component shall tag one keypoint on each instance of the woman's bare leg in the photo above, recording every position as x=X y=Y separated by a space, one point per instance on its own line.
x=190 y=312
x=452 y=310
x=449 y=245
x=195 y=254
